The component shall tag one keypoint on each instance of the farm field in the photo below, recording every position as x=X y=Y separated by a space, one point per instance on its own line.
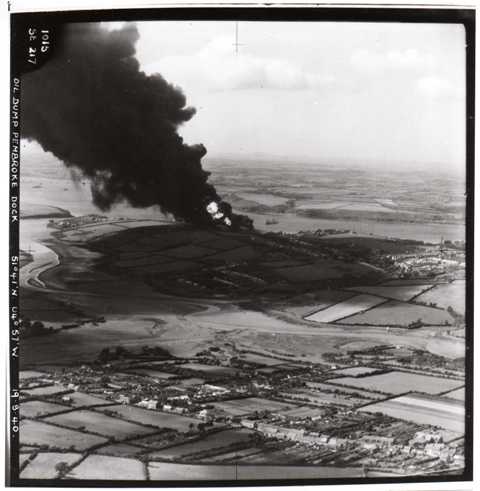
x=349 y=307
x=120 y=450
x=238 y=407
x=354 y=371
x=301 y=412
x=32 y=409
x=232 y=456
x=458 y=394
x=168 y=267
x=238 y=254
x=106 y=467
x=188 y=252
x=99 y=423
x=46 y=391
x=222 y=243
x=189 y=382
x=39 y=433
x=163 y=471
x=281 y=456
x=394 y=313
x=78 y=399
x=320 y=398
x=209 y=369
x=331 y=387
x=398 y=382
x=319 y=270
x=445 y=295
x=402 y=293
x=29 y=374
x=43 y=465
x=299 y=472
x=446 y=413
x=134 y=262
x=205 y=444
x=152 y=418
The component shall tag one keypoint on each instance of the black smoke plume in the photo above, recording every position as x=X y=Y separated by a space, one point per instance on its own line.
x=92 y=107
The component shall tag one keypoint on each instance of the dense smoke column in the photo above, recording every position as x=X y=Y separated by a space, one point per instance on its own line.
x=93 y=108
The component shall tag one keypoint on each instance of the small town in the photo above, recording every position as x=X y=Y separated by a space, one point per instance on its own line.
x=292 y=412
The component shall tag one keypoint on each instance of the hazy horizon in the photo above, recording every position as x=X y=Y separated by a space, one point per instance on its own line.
x=370 y=92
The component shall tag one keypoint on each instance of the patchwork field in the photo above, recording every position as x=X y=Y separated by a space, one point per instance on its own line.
x=43 y=465
x=239 y=407
x=394 y=313
x=39 y=433
x=152 y=418
x=206 y=444
x=445 y=295
x=99 y=423
x=347 y=308
x=402 y=293
x=33 y=409
x=398 y=382
x=102 y=467
x=445 y=413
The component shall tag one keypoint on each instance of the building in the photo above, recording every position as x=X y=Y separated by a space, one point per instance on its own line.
x=374 y=441
x=123 y=399
x=148 y=403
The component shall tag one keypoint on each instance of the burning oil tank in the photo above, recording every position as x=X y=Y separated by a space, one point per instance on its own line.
x=220 y=213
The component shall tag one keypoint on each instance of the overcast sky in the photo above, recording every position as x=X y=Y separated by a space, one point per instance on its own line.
x=321 y=90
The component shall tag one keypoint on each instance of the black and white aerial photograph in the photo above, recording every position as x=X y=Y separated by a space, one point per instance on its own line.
x=242 y=251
